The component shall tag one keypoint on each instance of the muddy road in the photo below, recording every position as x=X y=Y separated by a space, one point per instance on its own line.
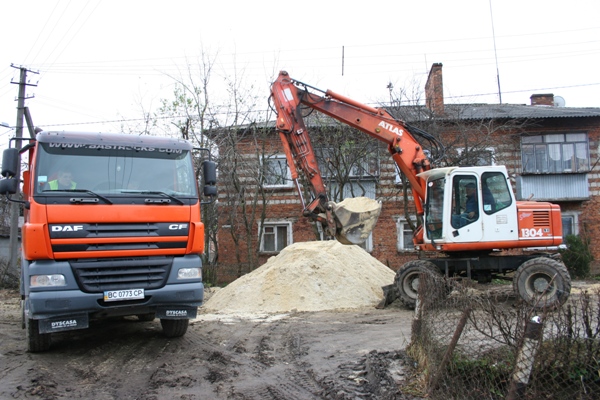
x=320 y=355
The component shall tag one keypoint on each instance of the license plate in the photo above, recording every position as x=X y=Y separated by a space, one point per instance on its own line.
x=119 y=295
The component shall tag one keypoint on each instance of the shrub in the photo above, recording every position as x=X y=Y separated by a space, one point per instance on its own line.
x=577 y=256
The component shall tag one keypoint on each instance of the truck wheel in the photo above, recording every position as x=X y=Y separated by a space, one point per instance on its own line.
x=542 y=282
x=36 y=341
x=407 y=280
x=174 y=327
x=146 y=317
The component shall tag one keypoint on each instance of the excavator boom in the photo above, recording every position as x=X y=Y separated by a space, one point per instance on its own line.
x=289 y=97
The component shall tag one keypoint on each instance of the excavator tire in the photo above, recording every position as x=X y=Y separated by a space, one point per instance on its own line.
x=407 y=280
x=542 y=283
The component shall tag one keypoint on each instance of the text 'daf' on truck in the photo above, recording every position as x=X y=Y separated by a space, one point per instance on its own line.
x=112 y=227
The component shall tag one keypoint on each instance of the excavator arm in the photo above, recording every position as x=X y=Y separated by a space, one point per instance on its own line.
x=290 y=96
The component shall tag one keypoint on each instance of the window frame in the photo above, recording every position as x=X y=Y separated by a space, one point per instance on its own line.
x=275 y=224
x=539 y=148
x=402 y=227
x=574 y=216
x=372 y=159
x=287 y=178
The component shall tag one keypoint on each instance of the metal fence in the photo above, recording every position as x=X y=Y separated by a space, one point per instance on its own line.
x=472 y=344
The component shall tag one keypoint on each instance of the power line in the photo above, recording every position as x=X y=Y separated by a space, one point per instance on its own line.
x=122 y=120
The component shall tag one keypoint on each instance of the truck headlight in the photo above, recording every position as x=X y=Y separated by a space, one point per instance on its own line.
x=47 y=280
x=189 y=273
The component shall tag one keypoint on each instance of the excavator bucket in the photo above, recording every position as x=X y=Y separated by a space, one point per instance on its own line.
x=355 y=217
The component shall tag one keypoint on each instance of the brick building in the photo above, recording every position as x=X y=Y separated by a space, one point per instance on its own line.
x=551 y=151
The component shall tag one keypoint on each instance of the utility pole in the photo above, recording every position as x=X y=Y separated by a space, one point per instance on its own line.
x=14 y=207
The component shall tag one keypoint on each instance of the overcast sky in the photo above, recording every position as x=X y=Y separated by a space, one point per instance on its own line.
x=101 y=61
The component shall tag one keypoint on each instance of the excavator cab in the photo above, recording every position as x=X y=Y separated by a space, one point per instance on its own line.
x=461 y=201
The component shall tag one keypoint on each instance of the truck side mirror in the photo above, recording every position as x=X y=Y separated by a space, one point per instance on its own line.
x=9 y=185
x=209 y=174
x=10 y=162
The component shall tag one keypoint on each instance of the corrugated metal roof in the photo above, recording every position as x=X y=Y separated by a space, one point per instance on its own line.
x=493 y=111
x=454 y=112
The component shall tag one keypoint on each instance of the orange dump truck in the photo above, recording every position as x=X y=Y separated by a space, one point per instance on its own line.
x=111 y=227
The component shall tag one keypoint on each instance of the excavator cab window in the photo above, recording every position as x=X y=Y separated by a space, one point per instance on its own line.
x=465 y=200
x=495 y=192
x=435 y=209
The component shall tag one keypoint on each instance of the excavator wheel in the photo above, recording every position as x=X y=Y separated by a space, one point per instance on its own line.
x=542 y=283
x=407 y=280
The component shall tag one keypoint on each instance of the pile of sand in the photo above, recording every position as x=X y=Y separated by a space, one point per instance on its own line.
x=307 y=276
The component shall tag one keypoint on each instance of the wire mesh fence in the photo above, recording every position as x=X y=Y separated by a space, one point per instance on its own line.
x=472 y=344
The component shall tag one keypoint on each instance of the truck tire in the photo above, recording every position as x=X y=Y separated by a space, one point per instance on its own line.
x=36 y=341
x=532 y=283
x=174 y=327
x=407 y=280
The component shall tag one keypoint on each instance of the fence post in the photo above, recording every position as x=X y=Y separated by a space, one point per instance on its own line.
x=446 y=359
x=525 y=359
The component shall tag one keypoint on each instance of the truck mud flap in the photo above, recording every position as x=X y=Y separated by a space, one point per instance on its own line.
x=64 y=323
x=182 y=312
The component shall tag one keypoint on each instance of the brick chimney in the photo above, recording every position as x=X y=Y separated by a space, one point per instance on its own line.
x=434 y=90
x=542 y=99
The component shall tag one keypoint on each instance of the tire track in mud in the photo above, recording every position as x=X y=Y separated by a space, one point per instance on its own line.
x=302 y=356
x=248 y=363
x=105 y=361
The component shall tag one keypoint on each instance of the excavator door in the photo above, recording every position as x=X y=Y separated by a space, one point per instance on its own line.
x=466 y=209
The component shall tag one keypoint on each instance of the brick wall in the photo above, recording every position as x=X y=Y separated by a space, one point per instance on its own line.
x=284 y=204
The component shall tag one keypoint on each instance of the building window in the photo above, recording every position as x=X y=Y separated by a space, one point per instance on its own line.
x=275 y=236
x=404 y=235
x=367 y=245
x=333 y=163
x=569 y=224
x=277 y=173
x=555 y=153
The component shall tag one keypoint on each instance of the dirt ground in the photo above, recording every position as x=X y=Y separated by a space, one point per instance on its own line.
x=338 y=354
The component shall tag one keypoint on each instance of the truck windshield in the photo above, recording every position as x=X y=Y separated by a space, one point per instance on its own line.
x=109 y=170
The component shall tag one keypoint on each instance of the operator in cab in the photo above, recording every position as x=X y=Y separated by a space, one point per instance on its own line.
x=64 y=181
x=471 y=212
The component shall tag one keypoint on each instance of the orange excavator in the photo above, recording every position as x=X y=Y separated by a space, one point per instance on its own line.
x=469 y=215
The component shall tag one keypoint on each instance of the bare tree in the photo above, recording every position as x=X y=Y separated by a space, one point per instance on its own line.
x=466 y=139
x=189 y=114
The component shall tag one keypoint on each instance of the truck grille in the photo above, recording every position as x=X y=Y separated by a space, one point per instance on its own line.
x=118 y=237
x=95 y=276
